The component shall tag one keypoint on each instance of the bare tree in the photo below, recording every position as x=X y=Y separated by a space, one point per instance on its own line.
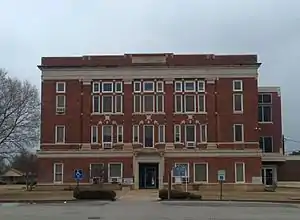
x=19 y=115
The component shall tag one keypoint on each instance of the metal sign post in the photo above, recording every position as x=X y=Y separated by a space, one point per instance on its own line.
x=169 y=183
x=221 y=179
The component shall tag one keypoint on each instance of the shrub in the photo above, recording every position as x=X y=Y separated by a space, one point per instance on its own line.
x=94 y=194
x=193 y=196
x=178 y=195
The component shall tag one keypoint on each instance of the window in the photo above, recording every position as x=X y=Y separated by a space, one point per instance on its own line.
x=189 y=103
x=148 y=136
x=148 y=103
x=189 y=86
x=178 y=103
x=160 y=103
x=148 y=86
x=265 y=99
x=60 y=101
x=200 y=172
x=161 y=134
x=239 y=172
x=60 y=134
x=238 y=133
x=135 y=134
x=60 y=87
x=190 y=133
x=107 y=104
x=237 y=85
x=238 y=103
x=107 y=134
x=118 y=87
x=96 y=87
x=159 y=86
x=96 y=170
x=178 y=86
x=58 y=172
x=203 y=135
x=201 y=103
x=107 y=87
x=265 y=108
x=120 y=134
x=94 y=134
x=115 y=170
x=119 y=104
x=177 y=133
x=266 y=144
x=201 y=86
x=96 y=104
x=137 y=104
x=186 y=166
x=137 y=86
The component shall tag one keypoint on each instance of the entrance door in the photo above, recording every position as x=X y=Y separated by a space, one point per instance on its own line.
x=148 y=136
x=267 y=176
x=148 y=175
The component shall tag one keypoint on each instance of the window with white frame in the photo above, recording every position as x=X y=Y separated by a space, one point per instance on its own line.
x=189 y=103
x=94 y=134
x=161 y=133
x=238 y=132
x=120 y=134
x=107 y=87
x=200 y=172
x=189 y=86
x=148 y=86
x=107 y=104
x=60 y=87
x=137 y=86
x=186 y=168
x=60 y=102
x=107 y=133
x=159 y=103
x=118 y=87
x=96 y=104
x=266 y=144
x=238 y=103
x=178 y=104
x=201 y=86
x=115 y=170
x=203 y=135
x=159 y=86
x=148 y=105
x=137 y=104
x=96 y=170
x=237 y=85
x=177 y=133
x=190 y=133
x=178 y=86
x=239 y=172
x=60 y=134
x=264 y=107
x=135 y=134
x=118 y=104
x=58 y=172
x=96 y=87
x=201 y=103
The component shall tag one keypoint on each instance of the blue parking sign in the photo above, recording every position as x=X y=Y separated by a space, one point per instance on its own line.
x=180 y=171
x=78 y=174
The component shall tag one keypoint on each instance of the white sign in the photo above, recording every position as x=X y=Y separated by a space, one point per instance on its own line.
x=221 y=175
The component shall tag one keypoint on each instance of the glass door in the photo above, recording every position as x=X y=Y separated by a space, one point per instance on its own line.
x=267 y=176
x=150 y=177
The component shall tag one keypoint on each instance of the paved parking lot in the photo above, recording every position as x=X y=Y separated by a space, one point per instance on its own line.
x=149 y=210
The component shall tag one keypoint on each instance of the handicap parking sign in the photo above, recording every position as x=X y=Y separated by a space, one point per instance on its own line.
x=78 y=174
x=221 y=175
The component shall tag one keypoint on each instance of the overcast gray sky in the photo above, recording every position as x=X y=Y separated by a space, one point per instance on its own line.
x=271 y=28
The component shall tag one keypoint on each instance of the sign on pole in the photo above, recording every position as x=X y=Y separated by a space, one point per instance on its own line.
x=221 y=175
x=78 y=175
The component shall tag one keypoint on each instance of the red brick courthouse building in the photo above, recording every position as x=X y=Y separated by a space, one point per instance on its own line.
x=130 y=118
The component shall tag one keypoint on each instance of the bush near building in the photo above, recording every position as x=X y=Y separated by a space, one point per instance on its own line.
x=178 y=195
x=94 y=194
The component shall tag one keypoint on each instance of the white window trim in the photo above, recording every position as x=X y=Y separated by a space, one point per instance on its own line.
x=188 y=168
x=134 y=103
x=153 y=86
x=178 y=82
x=263 y=150
x=263 y=112
x=64 y=134
x=121 y=170
x=205 y=130
x=269 y=94
x=112 y=104
x=144 y=135
x=54 y=173
x=186 y=82
x=204 y=104
x=163 y=129
x=96 y=91
x=235 y=172
x=233 y=86
x=115 y=97
x=140 y=86
x=179 y=129
x=242 y=103
x=118 y=133
x=198 y=85
x=153 y=99
x=162 y=105
x=91 y=178
x=97 y=130
x=64 y=106
x=234 y=137
x=185 y=135
x=116 y=83
x=194 y=168
x=138 y=134
x=181 y=106
x=112 y=87
x=111 y=134
x=57 y=91
x=189 y=112
x=162 y=86
x=93 y=103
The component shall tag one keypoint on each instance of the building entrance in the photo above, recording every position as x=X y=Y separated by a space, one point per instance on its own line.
x=148 y=176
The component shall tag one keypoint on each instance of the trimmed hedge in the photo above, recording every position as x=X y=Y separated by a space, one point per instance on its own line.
x=178 y=195
x=94 y=194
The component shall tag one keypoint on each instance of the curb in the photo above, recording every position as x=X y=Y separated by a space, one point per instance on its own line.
x=235 y=200
x=37 y=201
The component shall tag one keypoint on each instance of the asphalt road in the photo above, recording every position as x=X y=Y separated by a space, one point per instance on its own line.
x=147 y=210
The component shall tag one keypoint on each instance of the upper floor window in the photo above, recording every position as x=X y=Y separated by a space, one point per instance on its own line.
x=159 y=86
x=60 y=87
x=148 y=86
x=60 y=104
x=237 y=85
x=107 y=87
x=189 y=86
x=96 y=87
x=238 y=133
x=238 y=103
x=201 y=86
x=118 y=87
x=265 y=99
x=137 y=86
x=60 y=134
x=266 y=144
x=265 y=108
x=178 y=86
